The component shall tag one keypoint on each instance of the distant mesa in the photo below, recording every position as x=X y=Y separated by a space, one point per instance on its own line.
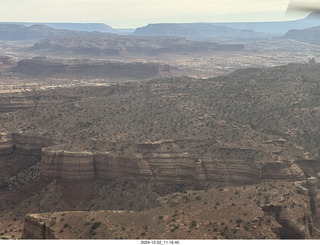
x=309 y=35
x=37 y=31
x=115 y=45
x=41 y=66
x=227 y=30
x=90 y=27
x=33 y=32
x=26 y=30
x=194 y=31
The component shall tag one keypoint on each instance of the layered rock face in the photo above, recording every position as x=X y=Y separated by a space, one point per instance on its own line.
x=87 y=68
x=19 y=151
x=164 y=169
x=8 y=104
x=35 y=228
x=69 y=166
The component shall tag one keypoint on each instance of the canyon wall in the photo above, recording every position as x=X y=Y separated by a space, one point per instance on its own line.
x=18 y=152
x=162 y=168
x=68 y=166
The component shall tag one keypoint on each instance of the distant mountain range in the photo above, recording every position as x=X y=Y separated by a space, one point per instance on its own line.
x=34 y=32
x=197 y=31
x=192 y=31
x=100 y=27
x=238 y=30
x=277 y=27
x=309 y=35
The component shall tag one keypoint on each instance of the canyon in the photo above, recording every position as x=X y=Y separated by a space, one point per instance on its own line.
x=191 y=215
x=170 y=131
x=196 y=155
x=167 y=173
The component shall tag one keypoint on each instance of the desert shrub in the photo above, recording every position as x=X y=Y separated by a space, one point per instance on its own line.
x=193 y=223
x=95 y=225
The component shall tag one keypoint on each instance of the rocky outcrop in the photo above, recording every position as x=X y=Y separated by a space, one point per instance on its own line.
x=8 y=104
x=298 y=226
x=68 y=166
x=123 y=167
x=164 y=169
x=18 y=152
x=90 y=69
x=281 y=170
x=35 y=228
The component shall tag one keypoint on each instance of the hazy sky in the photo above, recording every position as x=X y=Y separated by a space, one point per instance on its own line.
x=134 y=13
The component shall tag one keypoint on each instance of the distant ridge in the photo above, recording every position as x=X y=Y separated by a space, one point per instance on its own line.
x=100 y=27
x=239 y=30
x=33 y=32
x=309 y=35
x=278 y=27
x=195 y=31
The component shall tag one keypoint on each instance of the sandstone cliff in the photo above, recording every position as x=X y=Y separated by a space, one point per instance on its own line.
x=166 y=170
x=68 y=166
